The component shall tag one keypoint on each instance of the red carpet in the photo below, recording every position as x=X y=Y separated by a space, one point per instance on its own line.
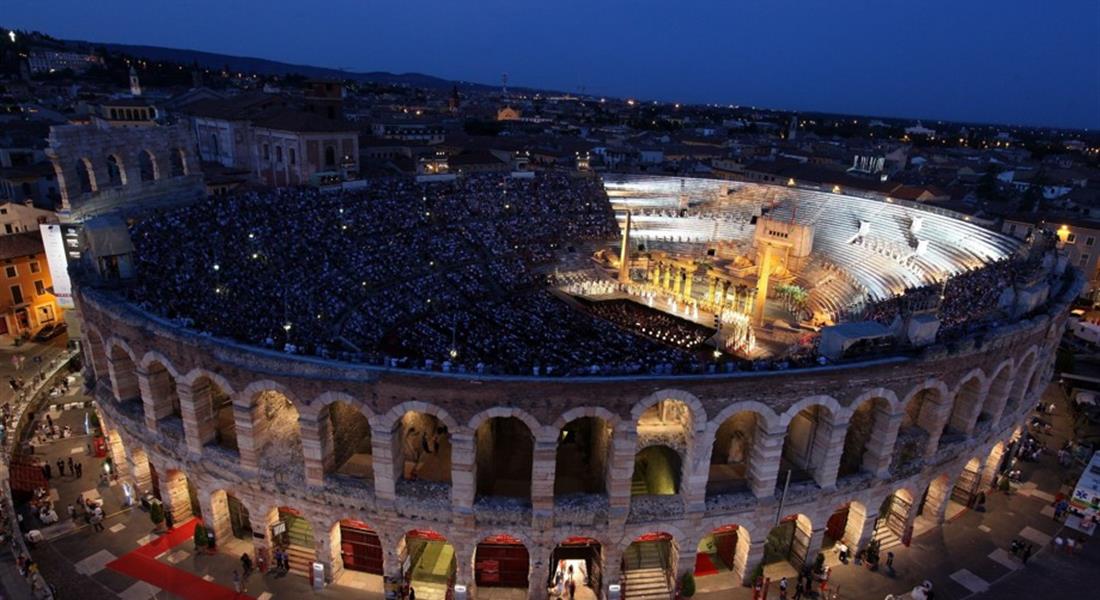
x=141 y=564
x=704 y=565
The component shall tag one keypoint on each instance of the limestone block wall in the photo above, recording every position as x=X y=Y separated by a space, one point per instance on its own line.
x=1013 y=364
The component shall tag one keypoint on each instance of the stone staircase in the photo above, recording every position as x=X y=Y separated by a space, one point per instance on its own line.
x=430 y=591
x=300 y=553
x=645 y=577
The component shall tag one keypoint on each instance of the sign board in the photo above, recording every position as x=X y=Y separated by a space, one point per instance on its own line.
x=53 y=241
x=279 y=528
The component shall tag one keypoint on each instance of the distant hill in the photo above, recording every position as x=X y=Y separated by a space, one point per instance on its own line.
x=264 y=66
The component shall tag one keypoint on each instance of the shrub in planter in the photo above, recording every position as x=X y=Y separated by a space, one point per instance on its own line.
x=156 y=514
x=200 y=538
x=687 y=585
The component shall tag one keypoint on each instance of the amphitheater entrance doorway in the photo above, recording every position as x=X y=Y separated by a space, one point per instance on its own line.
x=649 y=564
x=423 y=450
x=656 y=472
x=581 y=459
x=893 y=519
x=225 y=425
x=718 y=554
x=788 y=544
x=360 y=548
x=577 y=559
x=501 y=561
x=239 y=521
x=966 y=488
x=834 y=527
x=428 y=563
x=293 y=532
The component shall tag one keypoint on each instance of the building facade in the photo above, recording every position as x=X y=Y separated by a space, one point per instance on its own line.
x=26 y=301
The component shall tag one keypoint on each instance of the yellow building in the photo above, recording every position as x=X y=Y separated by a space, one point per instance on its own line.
x=26 y=303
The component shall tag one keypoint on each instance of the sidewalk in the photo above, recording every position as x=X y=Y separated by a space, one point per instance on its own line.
x=968 y=556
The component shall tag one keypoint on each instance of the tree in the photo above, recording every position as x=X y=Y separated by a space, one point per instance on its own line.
x=156 y=513
x=1033 y=196
x=200 y=537
x=687 y=585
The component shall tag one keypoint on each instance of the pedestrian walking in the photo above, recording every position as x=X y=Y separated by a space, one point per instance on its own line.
x=79 y=470
x=60 y=468
x=47 y=471
x=246 y=564
x=71 y=469
x=97 y=522
x=1027 y=553
x=890 y=564
x=412 y=594
x=783 y=588
x=49 y=420
x=72 y=512
x=236 y=581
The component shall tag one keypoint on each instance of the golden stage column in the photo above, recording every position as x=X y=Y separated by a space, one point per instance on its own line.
x=762 y=285
x=712 y=283
x=624 y=253
x=668 y=277
x=687 y=286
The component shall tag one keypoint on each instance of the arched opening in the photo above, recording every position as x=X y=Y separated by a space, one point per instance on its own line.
x=844 y=527
x=966 y=488
x=360 y=547
x=917 y=426
x=996 y=463
x=649 y=563
x=501 y=561
x=422 y=452
x=893 y=518
x=84 y=176
x=216 y=422
x=276 y=436
x=806 y=444
x=165 y=401
x=731 y=454
x=147 y=166
x=933 y=505
x=868 y=417
x=98 y=356
x=116 y=176
x=657 y=472
x=968 y=401
x=230 y=518
x=1020 y=387
x=581 y=460
x=429 y=563
x=347 y=443
x=505 y=453
x=788 y=545
x=142 y=472
x=723 y=553
x=580 y=560
x=1035 y=386
x=179 y=496
x=667 y=418
x=997 y=396
x=124 y=382
x=293 y=533
x=176 y=162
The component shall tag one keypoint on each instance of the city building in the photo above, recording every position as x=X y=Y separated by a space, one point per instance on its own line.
x=26 y=302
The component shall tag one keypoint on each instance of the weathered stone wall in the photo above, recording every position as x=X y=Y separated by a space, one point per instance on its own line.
x=1012 y=363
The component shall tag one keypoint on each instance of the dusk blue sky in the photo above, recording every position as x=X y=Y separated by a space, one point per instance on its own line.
x=1008 y=61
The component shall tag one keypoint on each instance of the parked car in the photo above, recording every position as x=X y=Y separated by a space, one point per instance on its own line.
x=50 y=331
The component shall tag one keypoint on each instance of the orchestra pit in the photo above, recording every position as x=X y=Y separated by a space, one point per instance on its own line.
x=487 y=384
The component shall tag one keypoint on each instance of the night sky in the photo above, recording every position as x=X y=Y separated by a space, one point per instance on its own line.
x=1005 y=61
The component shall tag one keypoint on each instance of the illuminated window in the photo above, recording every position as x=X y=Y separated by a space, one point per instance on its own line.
x=34 y=266
x=39 y=288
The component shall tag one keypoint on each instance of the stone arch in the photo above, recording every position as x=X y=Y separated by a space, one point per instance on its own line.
x=1020 y=381
x=97 y=352
x=998 y=389
x=507 y=473
x=724 y=548
x=658 y=471
x=198 y=373
x=922 y=420
x=967 y=400
x=733 y=446
x=247 y=398
x=503 y=411
x=789 y=541
x=389 y=419
x=148 y=170
x=122 y=364
x=177 y=162
x=160 y=395
x=697 y=413
x=573 y=414
x=341 y=426
x=116 y=170
x=583 y=452
x=152 y=357
x=807 y=442
x=866 y=432
x=268 y=428
x=85 y=177
x=419 y=437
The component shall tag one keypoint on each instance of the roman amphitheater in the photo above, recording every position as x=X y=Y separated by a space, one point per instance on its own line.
x=830 y=370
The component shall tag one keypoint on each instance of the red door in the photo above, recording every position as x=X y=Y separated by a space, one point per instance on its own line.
x=360 y=548
x=501 y=561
